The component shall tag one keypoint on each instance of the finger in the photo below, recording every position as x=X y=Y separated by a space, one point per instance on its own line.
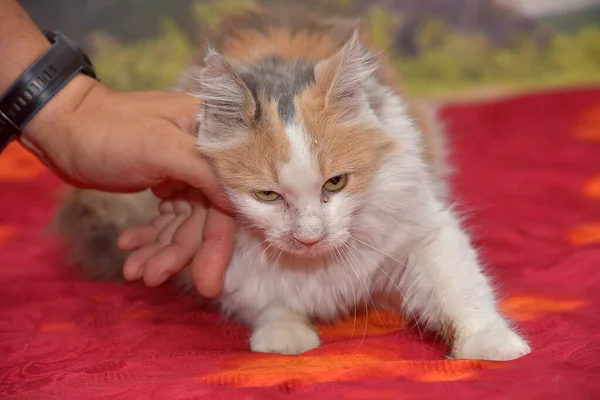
x=133 y=267
x=175 y=257
x=165 y=226
x=181 y=207
x=136 y=237
x=184 y=108
x=166 y=207
x=211 y=261
x=161 y=220
x=181 y=161
x=165 y=235
x=140 y=235
x=169 y=188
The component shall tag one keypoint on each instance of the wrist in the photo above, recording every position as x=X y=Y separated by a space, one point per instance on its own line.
x=51 y=128
x=36 y=86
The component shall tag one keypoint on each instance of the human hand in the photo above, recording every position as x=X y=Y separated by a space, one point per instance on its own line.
x=167 y=243
x=93 y=137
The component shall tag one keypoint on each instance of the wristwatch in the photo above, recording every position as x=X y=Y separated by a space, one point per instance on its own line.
x=39 y=83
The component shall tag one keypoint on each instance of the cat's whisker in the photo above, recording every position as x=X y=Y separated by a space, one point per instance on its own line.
x=214 y=104
x=365 y=294
x=271 y=254
x=279 y=254
x=273 y=258
x=227 y=114
x=223 y=111
x=266 y=249
x=378 y=250
x=369 y=280
x=341 y=266
x=405 y=300
x=361 y=227
x=260 y=244
x=216 y=107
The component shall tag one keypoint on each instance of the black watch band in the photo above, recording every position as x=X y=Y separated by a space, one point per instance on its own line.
x=39 y=83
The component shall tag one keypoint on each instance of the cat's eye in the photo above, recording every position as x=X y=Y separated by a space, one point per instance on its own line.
x=267 y=195
x=336 y=183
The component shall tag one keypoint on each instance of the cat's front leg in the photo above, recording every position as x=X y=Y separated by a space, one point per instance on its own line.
x=444 y=285
x=279 y=330
x=462 y=297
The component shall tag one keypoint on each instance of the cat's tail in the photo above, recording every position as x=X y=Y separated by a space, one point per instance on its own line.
x=89 y=222
x=435 y=143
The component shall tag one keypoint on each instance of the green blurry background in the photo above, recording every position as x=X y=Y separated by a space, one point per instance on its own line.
x=443 y=48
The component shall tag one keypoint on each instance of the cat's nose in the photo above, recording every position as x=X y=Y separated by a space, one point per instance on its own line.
x=309 y=242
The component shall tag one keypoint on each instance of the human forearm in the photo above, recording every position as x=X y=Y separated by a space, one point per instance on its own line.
x=21 y=42
x=101 y=139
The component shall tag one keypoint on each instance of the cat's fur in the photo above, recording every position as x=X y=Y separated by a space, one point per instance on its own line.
x=287 y=105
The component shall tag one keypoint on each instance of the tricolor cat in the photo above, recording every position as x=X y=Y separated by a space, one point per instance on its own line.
x=339 y=187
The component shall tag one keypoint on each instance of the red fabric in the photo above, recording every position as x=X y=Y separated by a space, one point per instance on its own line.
x=529 y=176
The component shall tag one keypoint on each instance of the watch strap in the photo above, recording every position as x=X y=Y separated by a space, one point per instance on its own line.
x=39 y=83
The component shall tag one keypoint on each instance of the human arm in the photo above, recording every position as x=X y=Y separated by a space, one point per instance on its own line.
x=94 y=137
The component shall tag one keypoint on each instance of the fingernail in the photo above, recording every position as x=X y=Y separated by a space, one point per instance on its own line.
x=166 y=206
x=182 y=207
x=131 y=275
x=124 y=244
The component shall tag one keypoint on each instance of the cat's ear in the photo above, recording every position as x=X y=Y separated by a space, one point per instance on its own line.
x=227 y=105
x=342 y=77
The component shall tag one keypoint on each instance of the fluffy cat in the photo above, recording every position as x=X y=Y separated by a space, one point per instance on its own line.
x=339 y=186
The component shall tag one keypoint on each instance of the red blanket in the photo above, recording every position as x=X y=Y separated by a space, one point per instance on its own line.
x=529 y=176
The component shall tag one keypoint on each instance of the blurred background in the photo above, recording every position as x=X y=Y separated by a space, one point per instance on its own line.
x=443 y=48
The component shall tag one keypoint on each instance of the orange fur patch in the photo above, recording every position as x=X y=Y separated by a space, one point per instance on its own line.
x=253 y=164
x=249 y=45
x=341 y=147
x=288 y=31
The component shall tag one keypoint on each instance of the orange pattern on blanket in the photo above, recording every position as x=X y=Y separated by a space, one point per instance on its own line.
x=370 y=359
x=18 y=164
x=7 y=232
x=591 y=188
x=379 y=323
x=329 y=364
x=529 y=308
x=589 y=125
x=373 y=323
x=585 y=234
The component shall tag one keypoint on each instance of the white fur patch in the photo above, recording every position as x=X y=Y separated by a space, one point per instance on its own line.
x=301 y=184
x=278 y=330
x=399 y=244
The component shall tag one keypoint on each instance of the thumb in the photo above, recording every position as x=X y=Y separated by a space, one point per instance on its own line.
x=180 y=160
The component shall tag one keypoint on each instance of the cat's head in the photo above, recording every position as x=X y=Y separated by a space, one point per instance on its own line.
x=297 y=145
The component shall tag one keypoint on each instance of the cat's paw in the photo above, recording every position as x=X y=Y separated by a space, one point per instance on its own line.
x=290 y=337
x=496 y=344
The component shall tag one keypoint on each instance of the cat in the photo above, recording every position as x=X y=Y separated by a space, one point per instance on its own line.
x=340 y=187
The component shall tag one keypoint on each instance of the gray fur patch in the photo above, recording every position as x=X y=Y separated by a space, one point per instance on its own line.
x=90 y=221
x=276 y=79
